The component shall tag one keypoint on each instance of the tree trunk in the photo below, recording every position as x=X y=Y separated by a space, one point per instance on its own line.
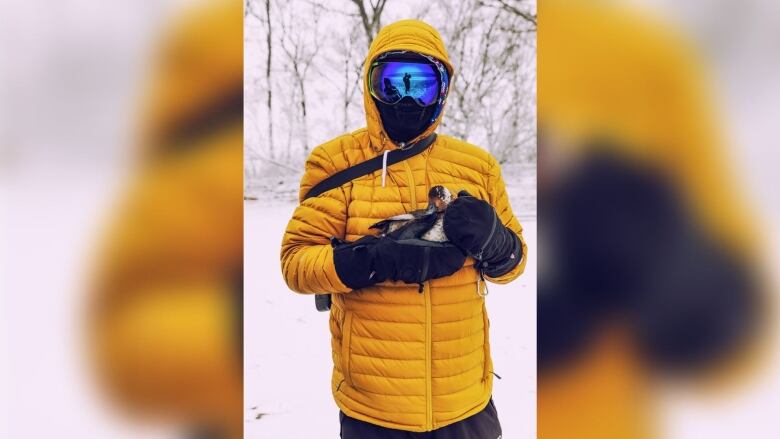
x=268 y=82
x=346 y=91
x=304 y=124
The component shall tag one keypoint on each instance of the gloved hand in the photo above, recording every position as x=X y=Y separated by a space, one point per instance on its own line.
x=371 y=260
x=473 y=225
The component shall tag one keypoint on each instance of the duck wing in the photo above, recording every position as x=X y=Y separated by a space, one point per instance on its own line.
x=396 y=222
x=392 y=223
x=403 y=217
x=416 y=228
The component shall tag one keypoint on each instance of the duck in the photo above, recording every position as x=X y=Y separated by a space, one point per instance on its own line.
x=426 y=224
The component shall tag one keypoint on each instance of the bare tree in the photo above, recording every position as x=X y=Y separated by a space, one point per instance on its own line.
x=519 y=8
x=345 y=72
x=370 y=13
x=269 y=101
x=352 y=68
x=304 y=79
x=491 y=92
x=250 y=9
x=300 y=49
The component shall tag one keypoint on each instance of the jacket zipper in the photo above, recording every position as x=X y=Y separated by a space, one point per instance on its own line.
x=485 y=343
x=346 y=342
x=427 y=295
x=428 y=360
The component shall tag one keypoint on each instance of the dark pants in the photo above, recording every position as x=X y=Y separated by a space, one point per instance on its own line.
x=483 y=425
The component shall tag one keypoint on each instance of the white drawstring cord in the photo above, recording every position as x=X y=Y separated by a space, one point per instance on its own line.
x=384 y=166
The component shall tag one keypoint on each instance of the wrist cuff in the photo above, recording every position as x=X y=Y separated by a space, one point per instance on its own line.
x=354 y=265
x=499 y=266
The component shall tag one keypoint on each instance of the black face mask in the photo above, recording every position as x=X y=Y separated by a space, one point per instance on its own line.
x=405 y=120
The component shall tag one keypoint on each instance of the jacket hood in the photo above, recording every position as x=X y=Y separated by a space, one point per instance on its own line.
x=412 y=35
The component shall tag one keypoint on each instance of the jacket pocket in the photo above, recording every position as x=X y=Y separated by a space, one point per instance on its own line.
x=487 y=366
x=346 y=341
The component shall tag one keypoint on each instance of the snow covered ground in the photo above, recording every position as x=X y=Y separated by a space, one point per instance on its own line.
x=287 y=342
x=278 y=185
x=50 y=217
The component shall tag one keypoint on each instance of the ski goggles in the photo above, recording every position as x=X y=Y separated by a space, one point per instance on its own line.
x=425 y=82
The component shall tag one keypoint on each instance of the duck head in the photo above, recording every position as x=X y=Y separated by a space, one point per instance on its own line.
x=439 y=197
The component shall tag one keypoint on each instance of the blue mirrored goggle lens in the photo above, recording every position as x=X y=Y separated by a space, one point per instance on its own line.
x=391 y=81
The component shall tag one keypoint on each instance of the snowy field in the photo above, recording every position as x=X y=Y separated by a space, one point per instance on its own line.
x=287 y=342
x=278 y=186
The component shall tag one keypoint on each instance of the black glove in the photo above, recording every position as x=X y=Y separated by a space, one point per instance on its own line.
x=473 y=225
x=371 y=260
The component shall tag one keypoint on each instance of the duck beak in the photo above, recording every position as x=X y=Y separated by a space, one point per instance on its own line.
x=436 y=204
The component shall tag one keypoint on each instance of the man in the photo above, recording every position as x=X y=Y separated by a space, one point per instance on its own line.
x=410 y=331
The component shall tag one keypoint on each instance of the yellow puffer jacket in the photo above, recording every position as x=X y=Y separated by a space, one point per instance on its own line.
x=402 y=360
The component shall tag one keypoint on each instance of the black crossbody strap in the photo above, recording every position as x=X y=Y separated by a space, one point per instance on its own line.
x=346 y=175
x=323 y=301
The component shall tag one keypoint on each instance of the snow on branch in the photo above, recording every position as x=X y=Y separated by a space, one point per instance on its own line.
x=304 y=78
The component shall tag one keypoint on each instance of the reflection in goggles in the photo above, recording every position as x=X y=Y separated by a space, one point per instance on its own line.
x=391 y=81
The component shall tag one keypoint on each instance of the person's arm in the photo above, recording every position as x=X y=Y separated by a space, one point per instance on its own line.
x=487 y=230
x=500 y=201
x=307 y=254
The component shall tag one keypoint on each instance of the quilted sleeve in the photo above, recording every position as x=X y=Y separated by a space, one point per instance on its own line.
x=500 y=201
x=307 y=256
